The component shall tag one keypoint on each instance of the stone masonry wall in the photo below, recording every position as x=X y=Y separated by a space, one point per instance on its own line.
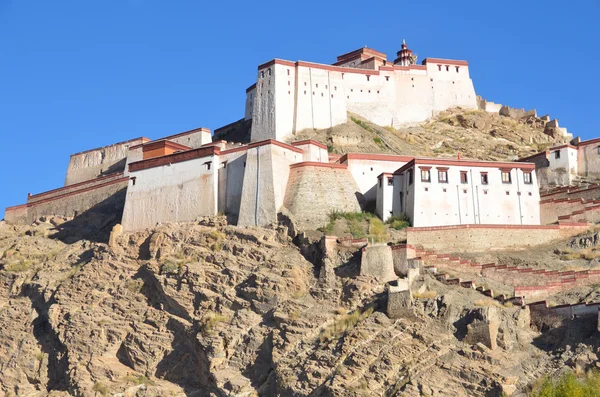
x=489 y=237
x=97 y=162
x=315 y=190
x=69 y=204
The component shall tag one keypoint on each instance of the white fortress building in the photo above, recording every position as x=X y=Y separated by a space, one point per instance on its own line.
x=178 y=178
x=292 y=96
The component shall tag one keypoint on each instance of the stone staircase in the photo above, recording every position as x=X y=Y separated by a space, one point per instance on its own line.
x=526 y=281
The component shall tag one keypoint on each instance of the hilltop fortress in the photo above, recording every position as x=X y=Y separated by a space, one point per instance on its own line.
x=292 y=96
x=191 y=174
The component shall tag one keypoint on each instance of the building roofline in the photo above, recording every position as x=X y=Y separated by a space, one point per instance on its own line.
x=589 y=142
x=443 y=61
x=143 y=138
x=464 y=163
x=309 y=142
x=318 y=66
x=544 y=153
x=317 y=164
x=363 y=50
x=253 y=86
x=374 y=157
x=164 y=143
x=173 y=158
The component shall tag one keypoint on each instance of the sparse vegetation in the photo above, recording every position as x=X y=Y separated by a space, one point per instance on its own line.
x=377 y=140
x=587 y=254
x=139 y=380
x=211 y=319
x=134 y=286
x=170 y=266
x=344 y=324
x=568 y=385
x=101 y=388
x=20 y=266
x=398 y=222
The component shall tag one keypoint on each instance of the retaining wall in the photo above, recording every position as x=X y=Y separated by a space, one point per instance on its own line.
x=314 y=190
x=69 y=204
x=489 y=237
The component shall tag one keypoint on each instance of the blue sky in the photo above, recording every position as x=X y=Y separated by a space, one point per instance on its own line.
x=79 y=74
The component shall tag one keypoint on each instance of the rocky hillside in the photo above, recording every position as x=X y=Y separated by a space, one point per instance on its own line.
x=209 y=309
x=475 y=134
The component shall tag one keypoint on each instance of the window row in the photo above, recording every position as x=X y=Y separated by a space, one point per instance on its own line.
x=464 y=176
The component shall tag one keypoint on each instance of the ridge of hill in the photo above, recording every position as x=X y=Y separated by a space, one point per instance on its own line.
x=475 y=134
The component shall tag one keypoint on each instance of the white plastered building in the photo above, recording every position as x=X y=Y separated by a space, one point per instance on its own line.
x=292 y=96
x=439 y=192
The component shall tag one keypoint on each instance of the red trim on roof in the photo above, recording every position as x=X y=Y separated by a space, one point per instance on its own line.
x=309 y=142
x=523 y=159
x=466 y=163
x=319 y=66
x=173 y=158
x=142 y=138
x=563 y=146
x=384 y=174
x=363 y=50
x=253 y=86
x=33 y=196
x=61 y=196
x=276 y=62
x=444 y=61
x=589 y=142
x=164 y=143
x=374 y=157
x=398 y=67
x=318 y=164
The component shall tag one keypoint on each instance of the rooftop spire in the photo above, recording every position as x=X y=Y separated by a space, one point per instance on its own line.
x=405 y=56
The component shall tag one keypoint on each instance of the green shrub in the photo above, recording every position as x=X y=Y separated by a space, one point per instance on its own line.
x=18 y=267
x=377 y=140
x=398 y=222
x=568 y=385
x=211 y=319
x=139 y=380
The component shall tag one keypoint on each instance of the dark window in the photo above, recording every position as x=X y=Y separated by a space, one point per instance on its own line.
x=425 y=176
x=410 y=177
x=207 y=164
x=443 y=176
x=506 y=177
x=527 y=178
x=457 y=69
x=463 y=177
x=484 y=178
x=262 y=74
x=598 y=149
x=390 y=181
x=557 y=154
x=447 y=68
x=401 y=202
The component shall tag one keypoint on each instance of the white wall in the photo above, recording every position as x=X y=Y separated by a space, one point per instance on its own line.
x=292 y=97
x=365 y=173
x=177 y=192
x=472 y=203
x=385 y=195
x=589 y=159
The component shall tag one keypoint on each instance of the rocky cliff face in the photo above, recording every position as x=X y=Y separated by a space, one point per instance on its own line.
x=204 y=309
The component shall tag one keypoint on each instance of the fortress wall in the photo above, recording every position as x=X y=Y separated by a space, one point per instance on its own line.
x=551 y=210
x=385 y=196
x=371 y=96
x=232 y=194
x=192 y=139
x=319 y=97
x=71 y=203
x=489 y=237
x=314 y=190
x=97 y=162
x=285 y=99
x=588 y=156
x=265 y=181
x=16 y=215
x=250 y=95
x=74 y=187
x=177 y=192
x=263 y=111
x=313 y=151
x=366 y=168
x=136 y=153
